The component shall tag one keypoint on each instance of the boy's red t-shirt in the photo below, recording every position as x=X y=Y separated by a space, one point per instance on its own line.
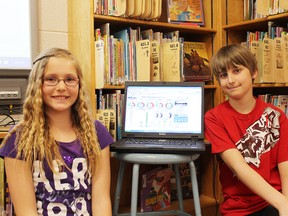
x=261 y=137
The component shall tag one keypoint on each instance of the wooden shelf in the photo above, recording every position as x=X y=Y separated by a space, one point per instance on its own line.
x=112 y=87
x=270 y=85
x=2 y=134
x=3 y=131
x=144 y=24
x=259 y=24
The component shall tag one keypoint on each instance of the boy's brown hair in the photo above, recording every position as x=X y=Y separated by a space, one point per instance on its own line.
x=231 y=56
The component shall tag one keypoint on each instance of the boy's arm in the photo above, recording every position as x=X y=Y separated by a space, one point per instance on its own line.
x=101 y=202
x=254 y=181
x=283 y=170
x=21 y=189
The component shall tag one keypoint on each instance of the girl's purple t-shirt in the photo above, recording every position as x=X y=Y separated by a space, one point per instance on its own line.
x=67 y=193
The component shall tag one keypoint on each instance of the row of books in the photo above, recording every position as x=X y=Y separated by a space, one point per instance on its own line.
x=271 y=51
x=254 y=9
x=109 y=111
x=135 y=55
x=188 y=12
x=143 y=9
x=280 y=101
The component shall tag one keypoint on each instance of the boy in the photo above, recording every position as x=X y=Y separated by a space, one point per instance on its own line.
x=250 y=137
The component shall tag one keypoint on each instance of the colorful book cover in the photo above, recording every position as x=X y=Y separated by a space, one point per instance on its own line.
x=196 y=63
x=185 y=181
x=155 y=192
x=186 y=11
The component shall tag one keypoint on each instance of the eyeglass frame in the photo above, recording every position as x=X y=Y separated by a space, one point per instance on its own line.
x=58 y=81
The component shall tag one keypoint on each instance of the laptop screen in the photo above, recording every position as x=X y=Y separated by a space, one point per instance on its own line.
x=163 y=109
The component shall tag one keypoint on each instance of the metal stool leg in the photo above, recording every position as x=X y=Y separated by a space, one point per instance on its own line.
x=178 y=186
x=195 y=189
x=134 y=192
x=118 y=188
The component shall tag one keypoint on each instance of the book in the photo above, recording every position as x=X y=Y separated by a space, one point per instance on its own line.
x=267 y=73
x=119 y=113
x=146 y=9
x=137 y=8
x=156 y=9
x=99 y=64
x=133 y=37
x=100 y=117
x=120 y=7
x=255 y=48
x=143 y=62
x=283 y=6
x=285 y=50
x=171 y=61
x=186 y=11
x=155 y=53
x=278 y=60
x=129 y=8
x=106 y=115
x=185 y=181
x=105 y=33
x=112 y=125
x=96 y=6
x=262 y=8
x=282 y=103
x=123 y=34
x=155 y=191
x=196 y=63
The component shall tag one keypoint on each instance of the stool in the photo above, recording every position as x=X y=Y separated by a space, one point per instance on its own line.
x=147 y=158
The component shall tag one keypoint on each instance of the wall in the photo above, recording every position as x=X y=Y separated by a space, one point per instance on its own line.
x=53 y=24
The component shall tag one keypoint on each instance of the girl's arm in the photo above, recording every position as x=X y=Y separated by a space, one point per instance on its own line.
x=21 y=188
x=254 y=181
x=101 y=202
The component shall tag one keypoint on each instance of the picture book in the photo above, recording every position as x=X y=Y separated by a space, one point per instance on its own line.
x=185 y=181
x=155 y=192
x=186 y=11
x=196 y=63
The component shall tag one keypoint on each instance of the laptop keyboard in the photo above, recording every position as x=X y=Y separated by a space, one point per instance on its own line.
x=161 y=142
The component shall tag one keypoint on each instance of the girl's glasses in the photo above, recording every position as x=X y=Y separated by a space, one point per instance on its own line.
x=53 y=81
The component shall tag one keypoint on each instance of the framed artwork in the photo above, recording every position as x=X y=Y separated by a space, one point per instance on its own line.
x=186 y=11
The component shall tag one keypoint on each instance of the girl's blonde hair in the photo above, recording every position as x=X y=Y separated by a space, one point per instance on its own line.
x=33 y=138
x=233 y=55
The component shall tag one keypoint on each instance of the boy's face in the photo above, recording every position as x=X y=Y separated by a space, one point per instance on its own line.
x=237 y=82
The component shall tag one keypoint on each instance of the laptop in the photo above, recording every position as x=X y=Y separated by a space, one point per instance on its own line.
x=162 y=117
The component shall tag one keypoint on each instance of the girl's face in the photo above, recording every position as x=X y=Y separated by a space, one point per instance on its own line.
x=60 y=85
x=237 y=82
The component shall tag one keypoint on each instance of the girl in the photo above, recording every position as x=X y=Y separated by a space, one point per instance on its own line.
x=56 y=162
x=251 y=138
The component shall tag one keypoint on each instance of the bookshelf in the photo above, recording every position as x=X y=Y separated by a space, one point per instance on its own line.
x=234 y=31
x=82 y=23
